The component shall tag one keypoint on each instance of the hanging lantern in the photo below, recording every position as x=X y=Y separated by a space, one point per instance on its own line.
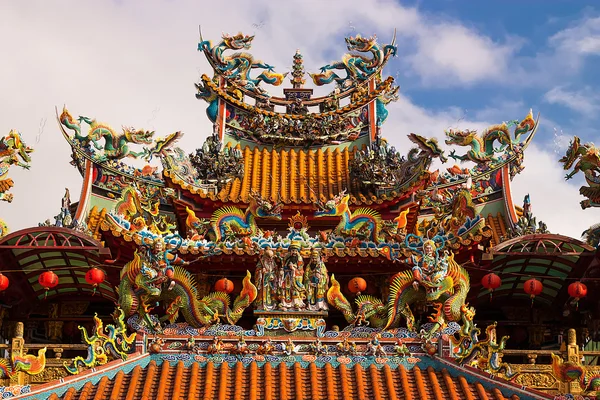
x=533 y=288
x=94 y=277
x=491 y=282
x=357 y=285
x=48 y=280
x=577 y=290
x=224 y=285
x=3 y=283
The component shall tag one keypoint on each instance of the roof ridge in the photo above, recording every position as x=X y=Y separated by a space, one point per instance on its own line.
x=93 y=375
x=489 y=379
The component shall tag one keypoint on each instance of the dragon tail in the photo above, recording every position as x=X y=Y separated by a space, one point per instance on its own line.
x=271 y=78
x=243 y=300
x=337 y=299
x=401 y=281
x=6 y=370
x=194 y=311
x=373 y=308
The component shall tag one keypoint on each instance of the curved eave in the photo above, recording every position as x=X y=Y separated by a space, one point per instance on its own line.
x=552 y=259
x=81 y=157
x=27 y=253
x=383 y=86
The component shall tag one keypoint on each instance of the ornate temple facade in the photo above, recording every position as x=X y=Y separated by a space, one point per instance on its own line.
x=297 y=255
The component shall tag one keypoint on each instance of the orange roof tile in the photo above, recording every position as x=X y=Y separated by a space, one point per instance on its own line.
x=222 y=381
x=291 y=176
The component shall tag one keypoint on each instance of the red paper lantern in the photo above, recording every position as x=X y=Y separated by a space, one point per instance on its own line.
x=94 y=277
x=491 y=282
x=357 y=285
x=533 y=288
x=3 y=283
x=48 y=280
x=224 y=285
x=577 y=290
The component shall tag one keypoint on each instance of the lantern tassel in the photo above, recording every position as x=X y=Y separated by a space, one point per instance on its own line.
x=491 y=295
x=46 y=294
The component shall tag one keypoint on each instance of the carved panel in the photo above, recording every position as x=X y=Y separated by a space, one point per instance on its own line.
x=49 y=374
x=73 y=308
x=536 y=380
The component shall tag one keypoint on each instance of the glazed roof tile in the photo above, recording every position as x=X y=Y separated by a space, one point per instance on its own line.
x=291 y=176
x=164 y=380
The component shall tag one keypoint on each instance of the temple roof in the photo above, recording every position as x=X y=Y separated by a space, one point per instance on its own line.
x=148 y=377
x=291 y=176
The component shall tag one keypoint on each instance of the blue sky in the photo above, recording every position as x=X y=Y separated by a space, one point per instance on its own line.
x=531 y=26
x=460 y=64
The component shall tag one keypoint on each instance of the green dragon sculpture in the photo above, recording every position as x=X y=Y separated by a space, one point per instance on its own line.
x=358 y=68
x=482 y=147
x=116 y=145
x=13 y=151
x=427 y=148
x=363 y=223
x=486 y=354
x=144 y=284
x=370 y=310
x=435 y=279
x=586 y=159
x=236 y=67
x=455 y=214
x=229 y=223
x=110 y=341
x=136 y=212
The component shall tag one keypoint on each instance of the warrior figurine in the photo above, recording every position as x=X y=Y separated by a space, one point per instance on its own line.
x=316 y=282
x=291 y=289
x=265 y=281
x=401 y=349
x=318 y=348
x=374 y=347
x=430 y=269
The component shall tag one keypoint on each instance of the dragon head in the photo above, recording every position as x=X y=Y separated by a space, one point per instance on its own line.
x=17 y=146
x=428 y=147
x=390 y=95
x=333 y=207
x=359 y=43
x=237 y=42
x=138 y=136
x=263 y=208
x=66 y=117
x=573 y=152
x=461 y=138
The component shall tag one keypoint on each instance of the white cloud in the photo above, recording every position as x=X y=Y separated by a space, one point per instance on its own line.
x=123 y=61
x=554 y=200
x=582 y=39
x=449 y=53
x=585 y=101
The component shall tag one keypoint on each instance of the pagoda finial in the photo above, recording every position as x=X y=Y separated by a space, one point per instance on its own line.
x=297 y=78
